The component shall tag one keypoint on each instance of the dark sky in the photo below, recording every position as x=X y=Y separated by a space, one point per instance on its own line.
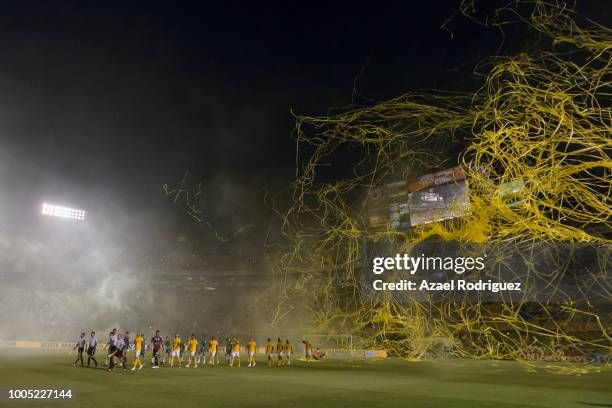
x=107 y=101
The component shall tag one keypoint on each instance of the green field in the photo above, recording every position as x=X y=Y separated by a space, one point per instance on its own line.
x=327 y=383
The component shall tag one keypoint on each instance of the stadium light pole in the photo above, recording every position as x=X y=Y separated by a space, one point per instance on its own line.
x=53 y=210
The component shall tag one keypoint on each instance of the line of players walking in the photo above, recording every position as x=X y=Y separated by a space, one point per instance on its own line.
x=175 y=350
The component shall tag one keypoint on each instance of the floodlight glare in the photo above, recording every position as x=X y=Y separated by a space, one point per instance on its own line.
x=63 y=212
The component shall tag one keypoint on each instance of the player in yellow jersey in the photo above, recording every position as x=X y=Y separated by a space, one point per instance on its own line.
x=138 y=342
x=235 y=352
x=192 y=347
x=288 y=351
x=176 y=350
x=307 y=350
x=213 y=345
x=143 y=350
x=251 y=347
x=269 y=352
x=280 y=349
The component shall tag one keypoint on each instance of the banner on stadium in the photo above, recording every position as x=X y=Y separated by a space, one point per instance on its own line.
x=355 y=353
x=426 y=181
x=27 y=344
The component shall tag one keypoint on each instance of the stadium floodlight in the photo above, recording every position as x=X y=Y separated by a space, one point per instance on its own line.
x=62 y=212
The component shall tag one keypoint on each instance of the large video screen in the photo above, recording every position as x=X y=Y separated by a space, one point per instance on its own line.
x=438 y=203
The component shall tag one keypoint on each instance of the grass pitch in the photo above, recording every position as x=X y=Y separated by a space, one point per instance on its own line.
x=327 y=383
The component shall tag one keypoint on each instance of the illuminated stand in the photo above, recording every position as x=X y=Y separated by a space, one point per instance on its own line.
x=63 y=212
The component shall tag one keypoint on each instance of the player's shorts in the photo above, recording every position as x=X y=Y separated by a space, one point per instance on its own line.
x=112 y=349
x=176 y=353
x=156 y=352
x=308 y=353
x=251 y=353
x=288 y=354
x=119 y=354
x=235 y=354
x=137 y=352
x=270 y=355
x=91 y=351
x=192 y=353
x=212 y=354
x=80 y=350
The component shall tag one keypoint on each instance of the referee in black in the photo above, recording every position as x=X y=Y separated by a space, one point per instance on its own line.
x=80 y=347
x=112 y=349
x=91 y=349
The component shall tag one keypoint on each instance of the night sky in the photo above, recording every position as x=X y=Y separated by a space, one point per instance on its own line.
x=104 y=102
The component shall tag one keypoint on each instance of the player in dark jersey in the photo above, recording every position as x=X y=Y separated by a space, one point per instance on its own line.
x=112 y=348
x=117 y=345
x=228 y=350
x=183 y=347
x=80 y=347
x=168 y=350
x=158 y=346
x=91 y=349
x=202 y=347
x=125 y=348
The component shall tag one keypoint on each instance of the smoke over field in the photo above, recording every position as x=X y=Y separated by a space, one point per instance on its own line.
x=124 y=267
